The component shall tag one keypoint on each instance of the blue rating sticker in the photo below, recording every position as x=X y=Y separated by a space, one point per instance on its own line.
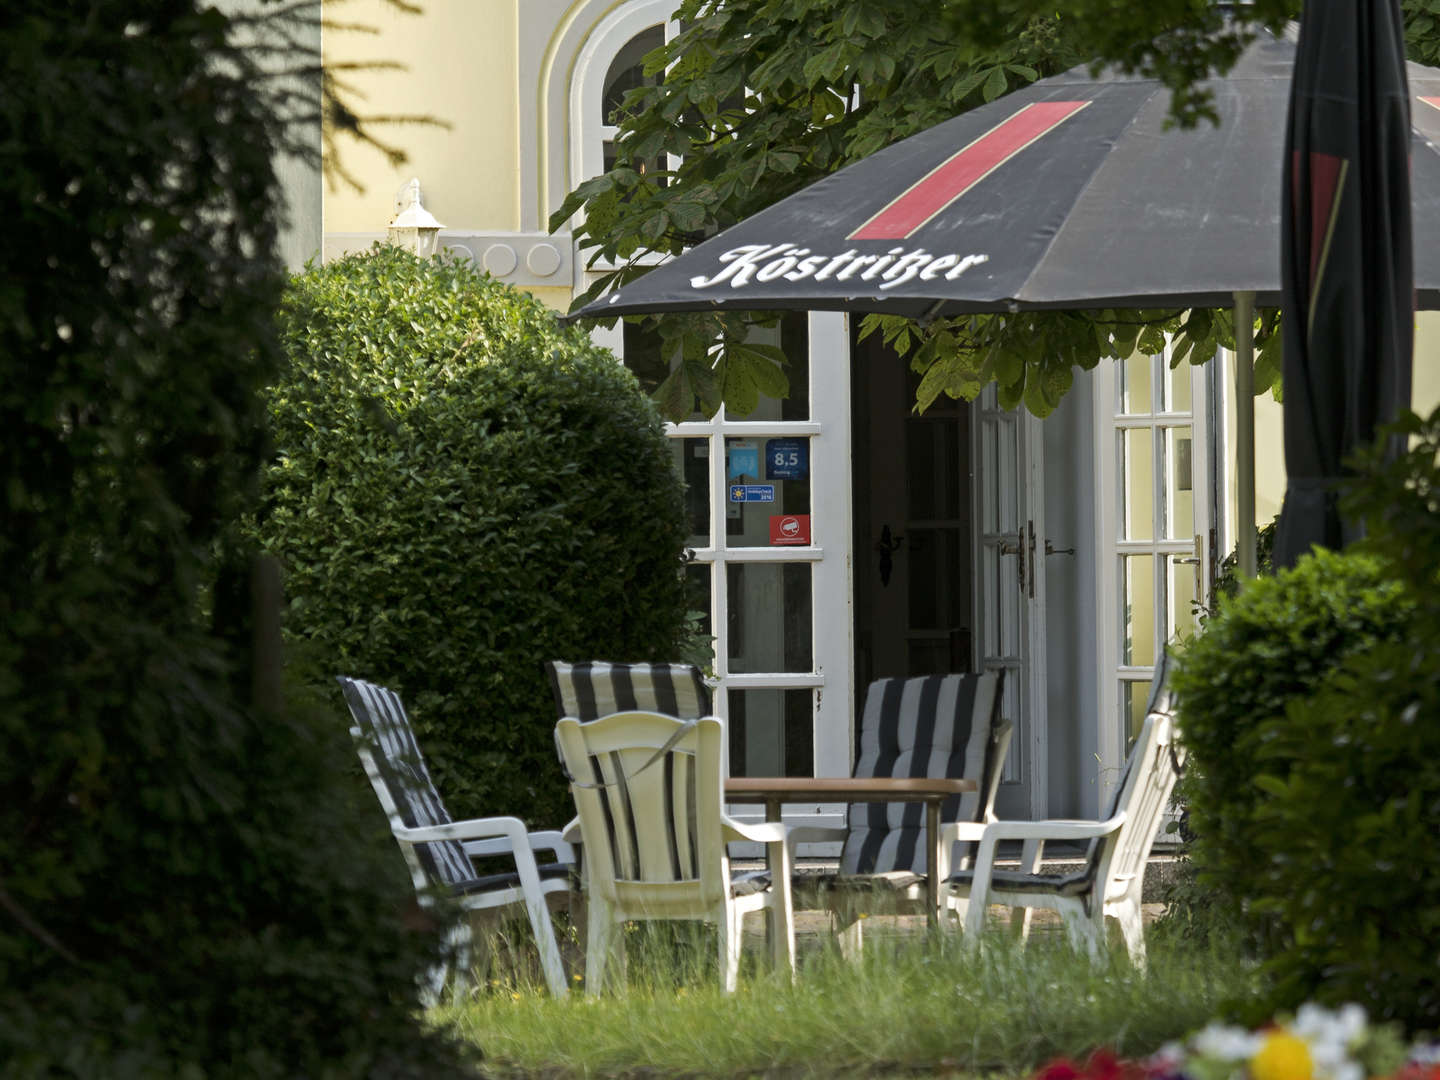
x=752 y=493
x=787 y=459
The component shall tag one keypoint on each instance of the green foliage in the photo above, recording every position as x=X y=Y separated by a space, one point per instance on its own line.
x=1422 y=30
x=1278 y=640
x=1228 y=581
x=461 y=491
x=187 y=887
x=1031 y=355
x=911 y=1004
x=1396 y=496
x=762 y=97
x=1348 y=783
x=1308 y=704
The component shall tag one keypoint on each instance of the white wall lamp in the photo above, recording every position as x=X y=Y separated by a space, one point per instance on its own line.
x=414 y=228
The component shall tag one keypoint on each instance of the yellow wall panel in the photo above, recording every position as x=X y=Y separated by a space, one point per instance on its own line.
x=460 y=65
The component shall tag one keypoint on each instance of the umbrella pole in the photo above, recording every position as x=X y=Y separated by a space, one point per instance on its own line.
x=1245 y=433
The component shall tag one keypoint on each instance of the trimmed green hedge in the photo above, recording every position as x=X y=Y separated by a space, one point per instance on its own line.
x=462 y=490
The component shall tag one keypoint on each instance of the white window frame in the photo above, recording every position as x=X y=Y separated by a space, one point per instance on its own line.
x=1111 y=548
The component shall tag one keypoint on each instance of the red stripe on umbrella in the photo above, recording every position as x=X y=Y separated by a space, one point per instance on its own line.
x=1327 y=184
x=958 y=173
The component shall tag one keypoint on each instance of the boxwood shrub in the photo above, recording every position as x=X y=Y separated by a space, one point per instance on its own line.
x=461 y=490
x=1310 y=703
x=1277 y=641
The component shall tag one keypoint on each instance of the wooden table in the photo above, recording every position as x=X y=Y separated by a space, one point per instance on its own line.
x=774 y=791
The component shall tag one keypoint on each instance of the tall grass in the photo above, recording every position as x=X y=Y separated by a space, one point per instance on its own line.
x=912 y=1002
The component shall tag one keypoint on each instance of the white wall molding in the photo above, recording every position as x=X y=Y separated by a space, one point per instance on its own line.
x=516 y=258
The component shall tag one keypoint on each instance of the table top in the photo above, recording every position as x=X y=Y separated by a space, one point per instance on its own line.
x=857 y=789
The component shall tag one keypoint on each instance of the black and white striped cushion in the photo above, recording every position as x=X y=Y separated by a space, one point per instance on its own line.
x=381 y=721
x=1003 y=881
x=933 y=725
x=595 y=688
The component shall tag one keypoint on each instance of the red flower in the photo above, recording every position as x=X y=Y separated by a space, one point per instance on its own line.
x=1059 y=1069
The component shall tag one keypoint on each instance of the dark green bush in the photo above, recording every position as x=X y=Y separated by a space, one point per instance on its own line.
x=1319 y=788
x=1278 y=640
x=187 y=885
x=1346 y=826
x=463 y=490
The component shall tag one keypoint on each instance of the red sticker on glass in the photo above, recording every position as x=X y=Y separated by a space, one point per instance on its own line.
x=789 y=528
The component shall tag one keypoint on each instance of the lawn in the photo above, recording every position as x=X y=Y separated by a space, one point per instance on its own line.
x=913 y=1003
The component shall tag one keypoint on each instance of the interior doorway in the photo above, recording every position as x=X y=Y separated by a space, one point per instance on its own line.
x=913 y=558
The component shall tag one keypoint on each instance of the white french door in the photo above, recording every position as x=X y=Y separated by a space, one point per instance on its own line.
x=1010 y=567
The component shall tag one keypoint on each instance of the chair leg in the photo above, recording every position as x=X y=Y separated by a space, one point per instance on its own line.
x=1132 y=930
x=457 y=957
x=1085 y=930
x=730 y=925
x=782 y=918
x=1020 y=923
x=544 y=928
x=849 y=933
x=603 y=937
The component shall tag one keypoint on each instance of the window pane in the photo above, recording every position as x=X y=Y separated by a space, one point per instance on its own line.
x=692 y=457
x=697 y=597
x=1138 y=578
x=791 y=335
x=1137 y=484
x=935 y=588
x=1133 y=696
x=1181 y=576
x=627 y=71
x=989 y=497
x=1179 y=483
x=769 y=617
x=932 y=448
x=772 y=732
x=1177 y=388
x=767 y=496
x=1135 y=382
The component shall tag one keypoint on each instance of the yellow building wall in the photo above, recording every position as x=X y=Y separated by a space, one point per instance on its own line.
x=1270 y=430
x=459 y=60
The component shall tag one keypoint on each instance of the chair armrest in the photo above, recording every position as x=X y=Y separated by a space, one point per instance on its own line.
x=765 y=832
x=511 y=828
x=538 y=841
x=571 y=831
x=552 y=840
x=513 y=840
x=952 y=832
x=1029 y=832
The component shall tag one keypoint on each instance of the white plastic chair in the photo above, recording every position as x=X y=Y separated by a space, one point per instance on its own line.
x=438 y=850
x=1109 y=883
x=649 y=790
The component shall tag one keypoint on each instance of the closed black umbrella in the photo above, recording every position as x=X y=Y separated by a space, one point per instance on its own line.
x=1346 y=256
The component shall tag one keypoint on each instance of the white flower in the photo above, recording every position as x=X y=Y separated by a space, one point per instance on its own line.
x=1425 y=1054
x=1227 y=1043
x=1317 y=1025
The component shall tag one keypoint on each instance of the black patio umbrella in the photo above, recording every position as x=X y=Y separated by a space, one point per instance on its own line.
x=1346 y=246
x=1070 y=193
